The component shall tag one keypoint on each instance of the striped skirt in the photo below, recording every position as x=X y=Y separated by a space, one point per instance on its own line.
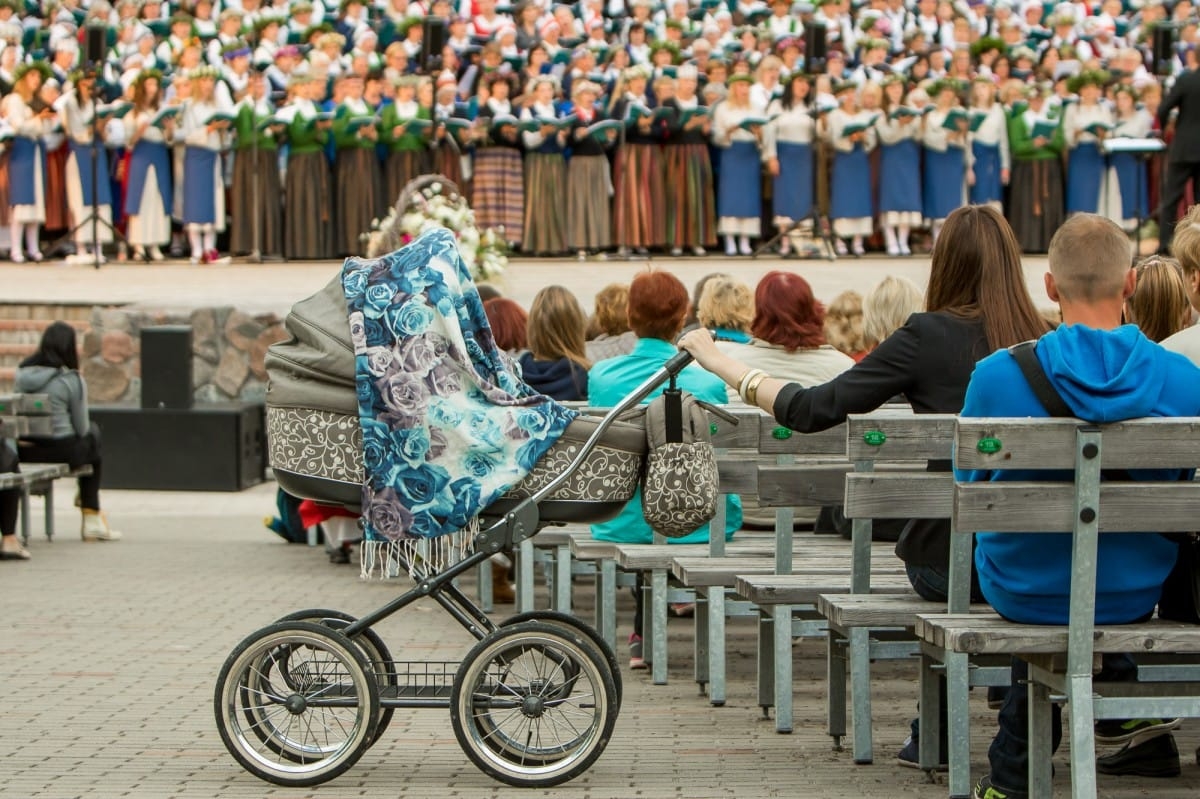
x=402 y=166
x=57 y=217
x=447 y=162
x=691 y=211
x=259 y=168
x=357 y=190
x=499 y=192
x=308 y=211
x=640 y=204
x=545 y=203
x=589 y=218
x=4 y=213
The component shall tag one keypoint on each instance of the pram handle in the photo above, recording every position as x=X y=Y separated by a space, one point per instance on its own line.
x=676 y=364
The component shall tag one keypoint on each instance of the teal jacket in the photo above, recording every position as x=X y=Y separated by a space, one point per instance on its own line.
x=609 y=382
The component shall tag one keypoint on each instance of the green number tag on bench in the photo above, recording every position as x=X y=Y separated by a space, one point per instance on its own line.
x=874 y=438
x=781 y=433
x=989 y=446
x=712 y=428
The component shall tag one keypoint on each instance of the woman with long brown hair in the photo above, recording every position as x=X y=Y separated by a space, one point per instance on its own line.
x=976 y=303
x=1159 y=306
x=148 y=193
x=556 y=364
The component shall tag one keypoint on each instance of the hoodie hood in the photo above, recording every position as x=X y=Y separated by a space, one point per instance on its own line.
x=1104 y=375
x=561 y=379
x=33 y=379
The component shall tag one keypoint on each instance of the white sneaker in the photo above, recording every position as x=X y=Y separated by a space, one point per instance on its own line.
x=699 y=252
x=95 y=527
x=676 y=251
x=156 y=254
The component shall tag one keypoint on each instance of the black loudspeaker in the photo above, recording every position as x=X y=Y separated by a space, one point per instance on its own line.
x=1163 y=41
x=95 y=43
x=167 y=367
x=207 y=448
x=433 y=41
x=814 y=48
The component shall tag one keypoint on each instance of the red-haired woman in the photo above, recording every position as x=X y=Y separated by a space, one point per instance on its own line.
x=788 y=334
x=658 y=305
x=509 y=322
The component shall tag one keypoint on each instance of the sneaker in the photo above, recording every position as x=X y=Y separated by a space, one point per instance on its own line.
x=984 y=789
x=699 y=252
x=682 y=610
x=910 y=756
x=1120 y=731
x=676 y=252
x=1155 y=757
x=636 y=661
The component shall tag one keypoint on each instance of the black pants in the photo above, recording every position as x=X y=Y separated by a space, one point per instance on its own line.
x=1178 y=175
x=75 y=452
x=10 y=501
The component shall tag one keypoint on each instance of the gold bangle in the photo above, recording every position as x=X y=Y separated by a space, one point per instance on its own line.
x=741 y=381
x=745 y=380
x=753 y=389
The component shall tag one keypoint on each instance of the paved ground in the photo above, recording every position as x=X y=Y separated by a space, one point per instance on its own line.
x=275 y=286
x=110 y=654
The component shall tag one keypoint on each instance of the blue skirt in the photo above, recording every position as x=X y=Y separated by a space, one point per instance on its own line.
x=851 y=186
x=988 y=188
x=199 y=187
x=25 y=158
x=1085 y=173
x=148 y=154
x=793 y=188
x=900 y=177
x=943 y=185
x=739 y=192
x=83 y=161
x=1131 y=177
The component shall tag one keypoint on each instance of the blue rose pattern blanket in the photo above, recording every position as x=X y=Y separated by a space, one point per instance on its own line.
x=447 y=425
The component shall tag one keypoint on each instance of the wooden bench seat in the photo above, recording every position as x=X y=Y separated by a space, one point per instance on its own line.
x=987 y=633
x=644 y=557
x=805 y=589
x=875 y=610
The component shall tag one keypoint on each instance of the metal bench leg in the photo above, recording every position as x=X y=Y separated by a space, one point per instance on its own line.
x=525 y=576
x=25 y=516
x=716 y=647
x=1040 y=740
x=766 y=661
x=931 y=714
x=48 y=498
x=959 y=719
x=658 y=609
x=835 y=677
x=1083 y=741
x=700 y=640
x=606 y=601
x=783 y=668
x=484 y=571
x=562 y=578
x=860 y=692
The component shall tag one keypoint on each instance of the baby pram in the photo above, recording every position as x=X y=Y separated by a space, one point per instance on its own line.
x=534 y=701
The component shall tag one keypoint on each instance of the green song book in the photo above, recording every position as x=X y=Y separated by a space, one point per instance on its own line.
x=1044 y=129
x=861 y=126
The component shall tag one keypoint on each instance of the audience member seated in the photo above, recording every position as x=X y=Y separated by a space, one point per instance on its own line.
x=1159 y=305
x=887 y=307
x=844 y=325
x=608 y=330
x=726 y=308
x=10 y=503
x=556 y=363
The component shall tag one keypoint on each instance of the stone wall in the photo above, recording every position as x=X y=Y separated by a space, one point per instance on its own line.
x=228 y=348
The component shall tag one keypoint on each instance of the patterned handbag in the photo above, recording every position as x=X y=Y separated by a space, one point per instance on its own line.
x=679 y=488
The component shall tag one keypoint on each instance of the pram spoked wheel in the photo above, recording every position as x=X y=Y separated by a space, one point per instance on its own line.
x=297 y=703
x=534 y=704
x=574 y=624
x=372 y=646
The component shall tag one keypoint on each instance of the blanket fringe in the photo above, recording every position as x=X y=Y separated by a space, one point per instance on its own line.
x=416 y=557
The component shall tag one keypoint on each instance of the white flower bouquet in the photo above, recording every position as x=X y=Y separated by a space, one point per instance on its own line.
x=432 y=201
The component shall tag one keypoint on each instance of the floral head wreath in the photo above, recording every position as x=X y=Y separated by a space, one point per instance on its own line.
x=147 y=74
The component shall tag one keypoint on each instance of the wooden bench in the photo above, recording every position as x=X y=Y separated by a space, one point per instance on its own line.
x=1062 y=658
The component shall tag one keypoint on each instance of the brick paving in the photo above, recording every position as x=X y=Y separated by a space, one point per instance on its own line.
x=111 y=652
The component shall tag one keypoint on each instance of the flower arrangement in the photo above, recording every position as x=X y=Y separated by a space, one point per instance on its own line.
x=432 y=201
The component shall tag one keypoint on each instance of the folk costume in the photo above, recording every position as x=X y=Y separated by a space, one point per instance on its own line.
x=498 y=187
x=900 y=205
x=639 y=204
x=589 y=186
x=257 y=223
x=739 y=191
x=545 y=223
x=788 y=139
x=204 y=187
x=77 y=122
x=308 y=191
x=26 y=184
x=356 y=180
x=148 y=191
x=691 y=209
x=408 y=155
x=851 y=206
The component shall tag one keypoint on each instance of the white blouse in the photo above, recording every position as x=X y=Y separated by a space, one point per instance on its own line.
x=1078 y=117
x=792 y=126
x=725 y=123
x=838 y=119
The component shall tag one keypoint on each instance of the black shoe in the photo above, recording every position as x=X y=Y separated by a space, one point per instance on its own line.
x=1156 y=757
x=985 y=790
x=910 y=756
x=996 y=694
x=1120 y=731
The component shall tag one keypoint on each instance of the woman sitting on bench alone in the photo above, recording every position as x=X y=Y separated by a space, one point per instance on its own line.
x=54 y=370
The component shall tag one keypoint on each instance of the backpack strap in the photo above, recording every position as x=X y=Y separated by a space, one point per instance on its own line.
x=673 y=415
x=1035 y=375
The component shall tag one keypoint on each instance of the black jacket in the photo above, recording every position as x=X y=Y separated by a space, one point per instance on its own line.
x=1184 y=95
x=929 y=361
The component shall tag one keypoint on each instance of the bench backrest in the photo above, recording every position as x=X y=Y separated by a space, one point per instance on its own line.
x=1081 y=504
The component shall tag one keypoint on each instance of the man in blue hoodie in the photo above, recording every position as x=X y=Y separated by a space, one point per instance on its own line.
x=1105 y=372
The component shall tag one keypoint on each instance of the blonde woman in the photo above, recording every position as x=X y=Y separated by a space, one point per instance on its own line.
x=844 y=325
x=851 y=206
x=26 y=176
x=1159 y=306
x=887 y=307
x=726 y=308
x=899 y=131
x=737 y=130
x=608 y=330
x=556 y=363
x=202 y=128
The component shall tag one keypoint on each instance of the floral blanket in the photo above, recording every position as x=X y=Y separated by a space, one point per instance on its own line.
x=447 y=424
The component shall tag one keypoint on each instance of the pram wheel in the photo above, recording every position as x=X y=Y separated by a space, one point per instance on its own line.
x=297 y=703
x=533 y=704
x=372 y=646
x=575 y=625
